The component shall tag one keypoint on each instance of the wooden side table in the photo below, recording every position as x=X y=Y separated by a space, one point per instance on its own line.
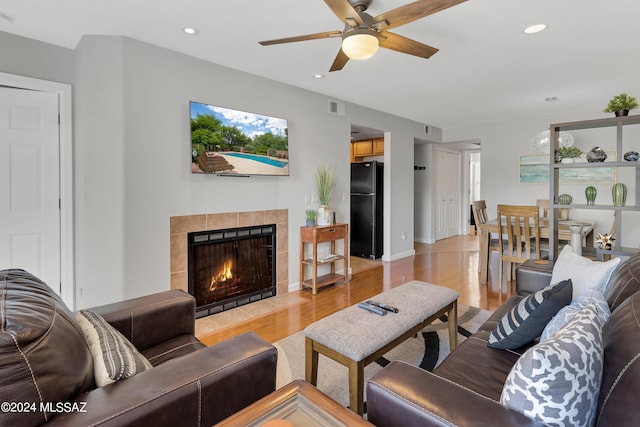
x=322 y=234
x=299 y=403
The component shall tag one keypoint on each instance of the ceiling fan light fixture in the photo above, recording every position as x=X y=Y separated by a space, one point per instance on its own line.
x=360 y=43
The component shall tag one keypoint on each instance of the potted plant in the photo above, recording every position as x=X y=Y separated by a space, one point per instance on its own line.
x=325 y=182
x=311 y=217
x=621 y=104
x=569 y=153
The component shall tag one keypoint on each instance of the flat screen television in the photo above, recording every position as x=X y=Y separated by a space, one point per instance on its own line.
x=232 y=142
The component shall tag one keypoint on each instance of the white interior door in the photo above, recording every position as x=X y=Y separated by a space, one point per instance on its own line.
x=447 y=216
x=30 y=183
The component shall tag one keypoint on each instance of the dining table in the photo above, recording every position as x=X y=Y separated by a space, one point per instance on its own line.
x=564 y=234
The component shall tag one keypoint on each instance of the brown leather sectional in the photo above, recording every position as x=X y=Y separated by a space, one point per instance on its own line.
x=465 y=389
x=46 y=369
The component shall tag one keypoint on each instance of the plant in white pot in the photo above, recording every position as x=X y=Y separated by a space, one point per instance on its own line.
x=325 y=182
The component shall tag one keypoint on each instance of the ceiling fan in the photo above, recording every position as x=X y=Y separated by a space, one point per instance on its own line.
x=363 y=33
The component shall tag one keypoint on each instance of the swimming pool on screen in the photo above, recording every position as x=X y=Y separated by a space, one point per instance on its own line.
x=261 y=159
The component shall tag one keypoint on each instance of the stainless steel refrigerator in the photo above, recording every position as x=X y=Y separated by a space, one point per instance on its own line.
x=366 y=209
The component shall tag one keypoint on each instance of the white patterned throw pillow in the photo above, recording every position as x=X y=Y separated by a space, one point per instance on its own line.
x=566 y=313
x=557 y=382
x=586 y=275
x=114 y=357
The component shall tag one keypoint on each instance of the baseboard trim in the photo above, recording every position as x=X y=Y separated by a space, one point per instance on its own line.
x=406 y=254
x=424 y=240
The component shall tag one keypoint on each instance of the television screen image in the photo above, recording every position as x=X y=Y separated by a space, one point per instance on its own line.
x=232 y=142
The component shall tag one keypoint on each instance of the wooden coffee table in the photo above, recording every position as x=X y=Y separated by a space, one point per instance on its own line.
x=301 y=404
x=355 y=337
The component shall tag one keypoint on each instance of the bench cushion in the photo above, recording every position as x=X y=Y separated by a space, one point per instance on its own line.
x=358 y=333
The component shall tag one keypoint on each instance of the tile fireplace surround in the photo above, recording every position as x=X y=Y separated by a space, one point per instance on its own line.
x=179 y=226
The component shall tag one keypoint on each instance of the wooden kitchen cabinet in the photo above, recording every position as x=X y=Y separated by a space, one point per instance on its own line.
x=378 y=146
x=365 y=148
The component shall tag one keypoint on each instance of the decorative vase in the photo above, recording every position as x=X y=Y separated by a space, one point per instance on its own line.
x=325 y=216
x=565 y=199
x=576 y=238
x=568 y=160
x=311 y=222
x=622 y=113
x=631 y=156
x=619 y=194
x=590 y=192
x=596 y=154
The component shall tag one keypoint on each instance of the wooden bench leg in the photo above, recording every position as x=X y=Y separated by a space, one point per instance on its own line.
x=452 y=317
x=356 y=386
x=310 y=362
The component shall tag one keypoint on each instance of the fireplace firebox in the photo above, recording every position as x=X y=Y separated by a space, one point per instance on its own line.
x=231 y=267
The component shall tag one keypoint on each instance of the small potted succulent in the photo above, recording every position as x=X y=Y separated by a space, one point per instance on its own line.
x=311 y=217
x=568 y=154
x=621 y=104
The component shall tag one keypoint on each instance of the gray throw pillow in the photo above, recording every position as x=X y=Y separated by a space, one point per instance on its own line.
x=557 y=382
x=526 y=321
x=114 y=357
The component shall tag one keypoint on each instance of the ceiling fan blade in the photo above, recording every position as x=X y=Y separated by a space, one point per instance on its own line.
x=302 y=38
x=344 y=10
x=405 y=45
x=339 y=62
x=413 y=11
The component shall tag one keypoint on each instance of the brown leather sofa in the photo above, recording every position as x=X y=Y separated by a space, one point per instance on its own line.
x=46 y=369
x=465 y=389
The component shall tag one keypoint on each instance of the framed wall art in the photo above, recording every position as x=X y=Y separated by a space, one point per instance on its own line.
x=535 y=169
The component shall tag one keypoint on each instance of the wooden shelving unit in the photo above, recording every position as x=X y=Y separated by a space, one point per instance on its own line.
x=618 y=123
x=314 y=236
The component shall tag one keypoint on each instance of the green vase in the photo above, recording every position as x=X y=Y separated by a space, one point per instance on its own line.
x=619 y=194
x=590 y=192
x=565 y=199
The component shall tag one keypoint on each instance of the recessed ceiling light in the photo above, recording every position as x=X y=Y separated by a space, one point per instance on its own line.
x=535 y=28
x=318 y=76
x=191 y=31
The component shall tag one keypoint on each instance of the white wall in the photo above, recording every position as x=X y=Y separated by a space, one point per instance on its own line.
x=423 y=195
x=31 y=58
x=133 y=161
x=100 y=187
x=504 y=142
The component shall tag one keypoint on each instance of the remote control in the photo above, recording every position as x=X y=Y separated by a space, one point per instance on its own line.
x=383 y=306
x=373 y=308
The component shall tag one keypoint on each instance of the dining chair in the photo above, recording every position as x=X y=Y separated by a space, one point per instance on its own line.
x=479 y=208
x=543 y=205
x=520 y=226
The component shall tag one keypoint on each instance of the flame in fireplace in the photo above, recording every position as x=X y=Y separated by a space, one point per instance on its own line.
x=224 y=275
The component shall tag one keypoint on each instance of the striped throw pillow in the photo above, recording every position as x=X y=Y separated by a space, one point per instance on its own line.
x=526 y=321
x=114 y=357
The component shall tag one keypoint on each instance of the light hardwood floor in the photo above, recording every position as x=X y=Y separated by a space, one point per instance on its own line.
x=450 y=262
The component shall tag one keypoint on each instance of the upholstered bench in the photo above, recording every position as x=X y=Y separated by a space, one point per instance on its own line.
x=356 y=337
